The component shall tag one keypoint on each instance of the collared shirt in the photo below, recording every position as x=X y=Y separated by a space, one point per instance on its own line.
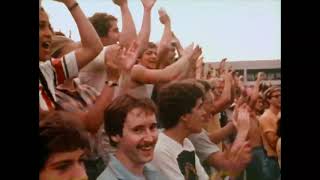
x=116 y=171
x=55 y=72
x=80 y=99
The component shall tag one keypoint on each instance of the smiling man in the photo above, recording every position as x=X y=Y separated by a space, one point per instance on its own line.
x=131 y=127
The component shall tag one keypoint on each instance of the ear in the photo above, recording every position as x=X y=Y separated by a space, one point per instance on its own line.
x=116 y=138
x=184 y=118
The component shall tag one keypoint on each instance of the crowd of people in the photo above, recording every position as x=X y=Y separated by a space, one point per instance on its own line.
x=117 y=106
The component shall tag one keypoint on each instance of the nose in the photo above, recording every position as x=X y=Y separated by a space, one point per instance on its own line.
x=150 y=135
x=47 y=32
x=79 y=172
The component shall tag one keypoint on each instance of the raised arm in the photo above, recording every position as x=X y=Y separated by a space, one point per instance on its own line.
x=219 y=135
x=235 y=159
x=165 y=42
x=144 y=34
x=255 y=92
x=128 y=33
x=225 y=99
x=150 y=76
x=177 y=44
x=91 y=45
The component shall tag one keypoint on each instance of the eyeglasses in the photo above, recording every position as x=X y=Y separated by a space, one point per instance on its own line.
x=276 y=96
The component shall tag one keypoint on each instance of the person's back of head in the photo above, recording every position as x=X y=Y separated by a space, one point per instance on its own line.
x=177 y=99
x=62 y=147
x=116 y=113
x=62 y=45
x=104 y=23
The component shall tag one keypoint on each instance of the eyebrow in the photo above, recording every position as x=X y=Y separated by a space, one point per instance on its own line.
x=142 y=126
x=61 y=162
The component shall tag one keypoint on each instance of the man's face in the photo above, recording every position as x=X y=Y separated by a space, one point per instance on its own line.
x=45 y=36
x=196 y=120
x=64 y=166
x=149 y=58
x=275 y=99
x=113 y=34
x=139 y=137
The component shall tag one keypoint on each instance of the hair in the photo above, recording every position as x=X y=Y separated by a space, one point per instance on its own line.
x=59 y=134
x=102 y=23
x=150 y=45
x=58 y=43
x=177 y=99
x=205 y=84
x=116 y=113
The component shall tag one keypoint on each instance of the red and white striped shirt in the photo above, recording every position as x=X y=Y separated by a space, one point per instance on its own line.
x=55 y=72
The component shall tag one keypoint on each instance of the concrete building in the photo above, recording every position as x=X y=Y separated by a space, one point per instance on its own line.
x=249 y=69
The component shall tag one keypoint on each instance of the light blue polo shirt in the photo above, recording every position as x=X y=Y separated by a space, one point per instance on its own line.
x=116 y=171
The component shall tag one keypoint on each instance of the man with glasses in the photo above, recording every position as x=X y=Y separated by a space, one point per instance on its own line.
x=268 y=123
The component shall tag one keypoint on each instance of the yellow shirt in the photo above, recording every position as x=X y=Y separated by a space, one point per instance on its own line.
x=268 y=123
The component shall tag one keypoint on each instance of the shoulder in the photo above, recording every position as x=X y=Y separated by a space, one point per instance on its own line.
x=107 y=174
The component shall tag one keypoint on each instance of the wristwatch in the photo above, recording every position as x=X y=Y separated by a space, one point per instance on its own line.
x=111 y=83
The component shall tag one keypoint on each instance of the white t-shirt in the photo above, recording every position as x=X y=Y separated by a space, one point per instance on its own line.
x=204 y=148
x=94 y=73
x=203 y=145
x=176 y=161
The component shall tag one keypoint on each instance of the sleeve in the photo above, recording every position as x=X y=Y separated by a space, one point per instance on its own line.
x=167 y=165
x=200 y=170
x=65 y=67
x=203 y=146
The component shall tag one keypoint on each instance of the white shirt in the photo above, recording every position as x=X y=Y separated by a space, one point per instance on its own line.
x=175 y=160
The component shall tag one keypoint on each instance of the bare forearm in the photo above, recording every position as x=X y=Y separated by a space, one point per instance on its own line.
x=145 y=30
x=224 y=100
x=255 y=94
x=128 y=32
x=179 y=67
x=221 y=134
x=96 y=112
x=90 y=41
x=239 y=140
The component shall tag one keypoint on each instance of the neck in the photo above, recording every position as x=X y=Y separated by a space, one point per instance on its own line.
x=274 y=109
x=136 y=169
x=177 y=133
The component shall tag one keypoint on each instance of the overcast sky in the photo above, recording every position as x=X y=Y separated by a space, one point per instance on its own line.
x=236 y=29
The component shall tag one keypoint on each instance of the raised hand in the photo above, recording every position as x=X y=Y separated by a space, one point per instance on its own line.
x=66 y=2
x=241 y=119
x=196 y=53
x=188 y=50
x=120 y=2
x=128 y=57
x=222 y=66
x=148 y=4
x=163 y=16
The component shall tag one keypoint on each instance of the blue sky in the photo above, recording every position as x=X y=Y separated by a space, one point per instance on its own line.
x=236 y=29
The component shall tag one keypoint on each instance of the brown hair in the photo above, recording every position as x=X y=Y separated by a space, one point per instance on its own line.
x=58 y=133
x=177 y=99
x=116 y=113
x=102 y=23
